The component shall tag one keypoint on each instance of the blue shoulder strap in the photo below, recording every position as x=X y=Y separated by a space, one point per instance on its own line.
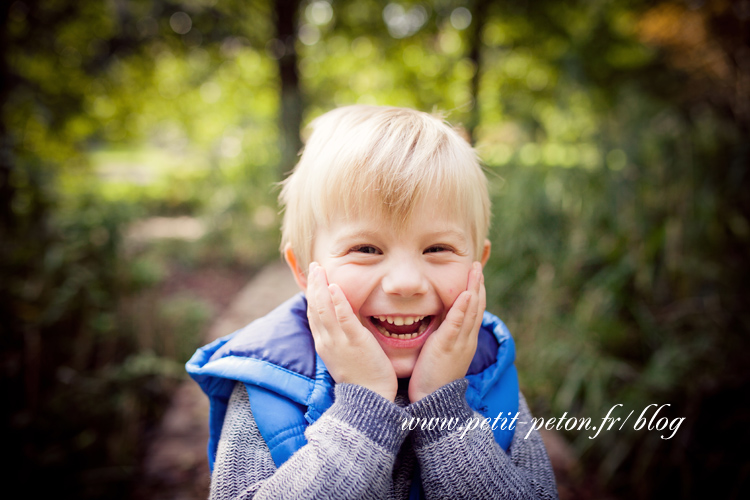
x=494 y=391
x=281 y=421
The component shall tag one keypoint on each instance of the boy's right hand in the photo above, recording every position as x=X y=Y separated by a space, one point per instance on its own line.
x=349 y=350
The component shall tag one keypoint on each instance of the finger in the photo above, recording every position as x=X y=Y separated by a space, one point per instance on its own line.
x=451 y=327
x=475 y=278
x=344 y=313
x=466 y=336
x=473 y=285
x=476 y=307
x=323 y=303
x=482 y=295
x=310 y=282
x=320 y=287
x=313 y=303
x=482 y=299
x=320 y=311
x=310 y=292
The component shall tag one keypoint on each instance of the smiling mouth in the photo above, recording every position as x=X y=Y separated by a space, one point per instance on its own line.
x=401 y=327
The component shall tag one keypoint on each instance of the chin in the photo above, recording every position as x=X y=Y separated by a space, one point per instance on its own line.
x=403 y=368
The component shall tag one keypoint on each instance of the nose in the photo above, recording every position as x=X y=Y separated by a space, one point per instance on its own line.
x=405 y=278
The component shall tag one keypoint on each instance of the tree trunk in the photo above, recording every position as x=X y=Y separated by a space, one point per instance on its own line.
x=475 y=44
x=290 y=97
x=6 y=190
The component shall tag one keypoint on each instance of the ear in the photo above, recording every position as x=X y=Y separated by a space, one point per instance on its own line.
x=299 y=276
x=486 y=252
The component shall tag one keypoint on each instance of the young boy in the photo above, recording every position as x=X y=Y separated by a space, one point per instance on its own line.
x=386 y=378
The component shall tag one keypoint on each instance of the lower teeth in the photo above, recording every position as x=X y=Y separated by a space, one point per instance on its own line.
x=403 y=336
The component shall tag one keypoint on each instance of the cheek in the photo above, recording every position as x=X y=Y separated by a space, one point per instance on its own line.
x=351 y=282
x=450 y=283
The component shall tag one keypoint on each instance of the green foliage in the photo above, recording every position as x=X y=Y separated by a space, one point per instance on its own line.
x=613 y=270
x=96 y=106
x=620 y=231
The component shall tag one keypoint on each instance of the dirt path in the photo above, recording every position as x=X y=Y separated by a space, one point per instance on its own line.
x=175 y=466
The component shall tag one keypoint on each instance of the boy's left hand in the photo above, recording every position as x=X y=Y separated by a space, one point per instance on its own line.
x=448 y=352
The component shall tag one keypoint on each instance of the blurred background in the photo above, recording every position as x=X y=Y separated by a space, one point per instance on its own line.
x=141 y=141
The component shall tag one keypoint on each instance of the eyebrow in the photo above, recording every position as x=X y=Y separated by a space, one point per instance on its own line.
x=364 y=234
x=449 y=233
x=355 y=235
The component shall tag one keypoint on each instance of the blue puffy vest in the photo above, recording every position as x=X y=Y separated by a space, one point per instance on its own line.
x=290 y=388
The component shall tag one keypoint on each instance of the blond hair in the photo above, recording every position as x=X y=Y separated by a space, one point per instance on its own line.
x=381 y=161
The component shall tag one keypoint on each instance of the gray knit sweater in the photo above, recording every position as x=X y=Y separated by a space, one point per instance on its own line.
x=358 y=449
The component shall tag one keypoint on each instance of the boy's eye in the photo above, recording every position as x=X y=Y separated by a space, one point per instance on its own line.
x=366 y=249
x=438 y=248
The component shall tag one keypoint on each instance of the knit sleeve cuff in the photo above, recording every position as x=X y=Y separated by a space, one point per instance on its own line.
x=370 y=413
x=443 y=405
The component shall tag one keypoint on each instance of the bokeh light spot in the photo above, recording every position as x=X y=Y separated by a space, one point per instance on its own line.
x=275 y=48
x=180 y=23
x=309 y=34
x=231 y=146
x=450 y=42
x=537 y=79
x=460 y=18
x=412 y=55
x=530 y=154
x=493 y=35
x=362 y=47
x=210 y=92
x=402 y=23
x=319 y=12
x=616 y=159
x=148 y=27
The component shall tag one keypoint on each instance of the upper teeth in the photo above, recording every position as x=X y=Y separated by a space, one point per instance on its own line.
x=401 y=320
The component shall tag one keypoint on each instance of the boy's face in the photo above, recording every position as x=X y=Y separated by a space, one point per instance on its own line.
x=400 y=283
